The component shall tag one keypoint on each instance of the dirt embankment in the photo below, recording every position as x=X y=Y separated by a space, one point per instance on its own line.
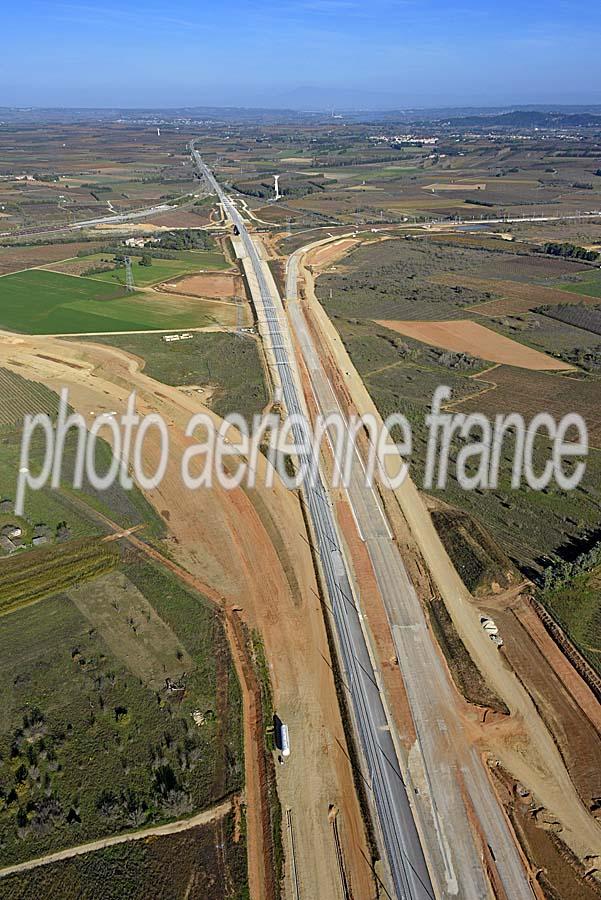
x=262 y=862
x=564 y=701
x=330 y=253
x=560 y=875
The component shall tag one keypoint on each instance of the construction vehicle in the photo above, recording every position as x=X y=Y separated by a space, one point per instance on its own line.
x=492 y=630
x=282 y=736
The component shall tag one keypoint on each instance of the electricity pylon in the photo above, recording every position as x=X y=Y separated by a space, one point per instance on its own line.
x=129 y=275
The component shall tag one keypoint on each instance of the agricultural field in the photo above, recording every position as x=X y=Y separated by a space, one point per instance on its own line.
x=578 y=231
x=548 y=335
x=514 y=297
x=211 y=865
x=532 y=526
x=186 y=261
x=362 y=180
x=346 y=176
x=225 y=368
x=419 y=283
x=19 y=397
x=577 y=607
x=588 y=285
x=29 y=578
x=165 y=269
x=290 y=185
x=529 y=526
x=514 y=261
x=218 y=286
x=393 y=279
x=73 y=172
x=93 y=742
x=506 y=388
x=64 y=512
x=473 y=339
x=586 y=318
x=42 y=302
x=17 y=258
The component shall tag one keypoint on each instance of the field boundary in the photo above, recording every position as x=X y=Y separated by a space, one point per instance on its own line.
x=567 y=647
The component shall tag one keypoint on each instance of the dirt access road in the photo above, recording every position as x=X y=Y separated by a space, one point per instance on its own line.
x=203 y=818
x=251 y=549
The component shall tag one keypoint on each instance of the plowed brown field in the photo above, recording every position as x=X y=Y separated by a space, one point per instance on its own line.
x=223 y=286
x=465 y=336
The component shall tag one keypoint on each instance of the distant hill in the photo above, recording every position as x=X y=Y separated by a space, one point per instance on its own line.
x=294 y=111
x=529 y=119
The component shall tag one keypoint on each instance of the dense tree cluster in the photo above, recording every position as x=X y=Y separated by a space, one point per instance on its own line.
x=563 y=572
x=569 y=251
x=185 y=239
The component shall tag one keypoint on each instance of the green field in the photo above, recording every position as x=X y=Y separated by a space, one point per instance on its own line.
x=27 y=578
x=75 y=508
x=42 y=302
x=164 y=269
x=577 y=607
x=396 y=171
x=589 y=285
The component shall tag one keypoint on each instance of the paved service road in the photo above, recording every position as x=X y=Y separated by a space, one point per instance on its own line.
x=399 y=835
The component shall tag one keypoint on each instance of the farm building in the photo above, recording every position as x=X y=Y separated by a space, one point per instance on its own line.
x=41 y=535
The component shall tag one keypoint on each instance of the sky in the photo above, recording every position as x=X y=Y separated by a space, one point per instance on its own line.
x=308 y=54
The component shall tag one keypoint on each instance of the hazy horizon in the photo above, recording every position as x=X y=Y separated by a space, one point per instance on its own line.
x=392 y=54
x=463 y=109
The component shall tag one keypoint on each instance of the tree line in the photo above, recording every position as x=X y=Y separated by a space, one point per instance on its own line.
x=568 y=251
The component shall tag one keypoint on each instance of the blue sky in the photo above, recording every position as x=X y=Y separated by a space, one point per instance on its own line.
x=308 y=54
